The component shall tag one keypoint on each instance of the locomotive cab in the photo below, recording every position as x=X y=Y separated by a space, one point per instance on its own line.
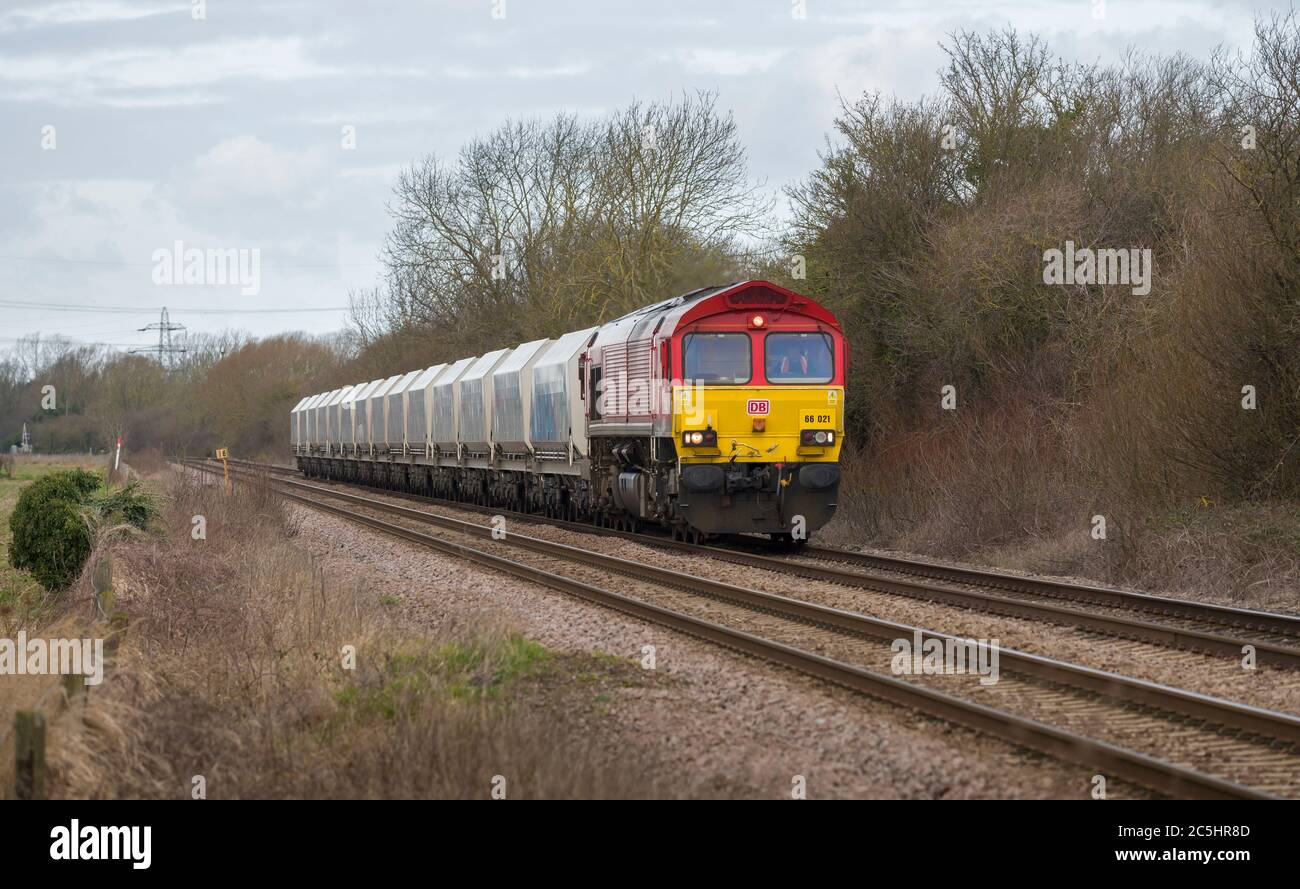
x=758 y=416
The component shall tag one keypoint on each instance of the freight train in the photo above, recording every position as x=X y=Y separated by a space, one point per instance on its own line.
x=720 y=411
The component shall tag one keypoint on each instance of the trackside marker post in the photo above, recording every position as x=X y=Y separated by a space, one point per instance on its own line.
x=223 y=454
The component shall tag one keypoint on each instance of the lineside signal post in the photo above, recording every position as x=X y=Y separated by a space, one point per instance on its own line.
x=223 y=454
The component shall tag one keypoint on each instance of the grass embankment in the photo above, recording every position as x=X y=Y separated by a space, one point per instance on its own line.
x=249 y=671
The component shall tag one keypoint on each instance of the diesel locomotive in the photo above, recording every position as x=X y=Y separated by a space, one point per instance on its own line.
x=720 y=411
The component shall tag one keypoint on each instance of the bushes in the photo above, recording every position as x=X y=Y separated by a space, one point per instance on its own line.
x=56 y=518
x=1082 y=399
x=51 y=537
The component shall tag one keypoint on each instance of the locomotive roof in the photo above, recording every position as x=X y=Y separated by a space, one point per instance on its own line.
x=667 y=304
x=669 y=314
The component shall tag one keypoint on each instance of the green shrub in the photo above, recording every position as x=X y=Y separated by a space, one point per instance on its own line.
x=50 y=535
x=55 y=520
x=128 y=505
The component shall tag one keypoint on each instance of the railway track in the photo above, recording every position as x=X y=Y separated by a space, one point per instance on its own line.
x=1175 y=623
x=1170 y=740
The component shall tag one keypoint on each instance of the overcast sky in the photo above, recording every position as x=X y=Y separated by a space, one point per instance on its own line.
x=227 y=131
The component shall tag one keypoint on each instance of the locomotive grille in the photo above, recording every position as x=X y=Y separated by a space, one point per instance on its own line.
x=625 y=379
x=613 y=375
x=638 y=372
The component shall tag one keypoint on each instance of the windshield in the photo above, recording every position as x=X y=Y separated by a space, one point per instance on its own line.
x=799 y=358
x=718 y=358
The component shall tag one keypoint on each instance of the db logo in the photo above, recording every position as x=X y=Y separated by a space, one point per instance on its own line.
x=758 y=407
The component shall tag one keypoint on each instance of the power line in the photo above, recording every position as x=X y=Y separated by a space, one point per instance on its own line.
x=149 y=310
x=57 y=260
x=71 y=342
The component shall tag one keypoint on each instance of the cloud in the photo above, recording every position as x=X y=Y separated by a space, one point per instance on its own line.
x=515 y=72
x=884 y=59
x=381 y=114
x=226 y=132
x=244 y=167
x=79 y=12
x=727 y=62
x=153 y=76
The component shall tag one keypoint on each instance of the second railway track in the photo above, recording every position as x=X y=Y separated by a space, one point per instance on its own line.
x=1170 y=740
x=1176 y=623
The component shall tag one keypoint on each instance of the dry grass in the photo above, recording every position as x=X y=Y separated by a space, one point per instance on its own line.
x=147 y=461
x=233 y=670
x=1009 y=491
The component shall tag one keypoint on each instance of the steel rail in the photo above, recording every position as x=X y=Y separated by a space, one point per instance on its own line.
x=1148 y=771
x=1142 y=630
x=1125 y=690
x=1282 y=726
x=1245 y=618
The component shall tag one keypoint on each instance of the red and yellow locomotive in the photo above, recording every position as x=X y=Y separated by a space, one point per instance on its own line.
x=718 y=411
x=744 y=429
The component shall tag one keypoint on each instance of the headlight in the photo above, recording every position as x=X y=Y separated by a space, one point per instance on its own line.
x=708 y=438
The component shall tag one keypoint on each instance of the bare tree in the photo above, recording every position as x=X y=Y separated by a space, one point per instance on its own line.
x=539 y=226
